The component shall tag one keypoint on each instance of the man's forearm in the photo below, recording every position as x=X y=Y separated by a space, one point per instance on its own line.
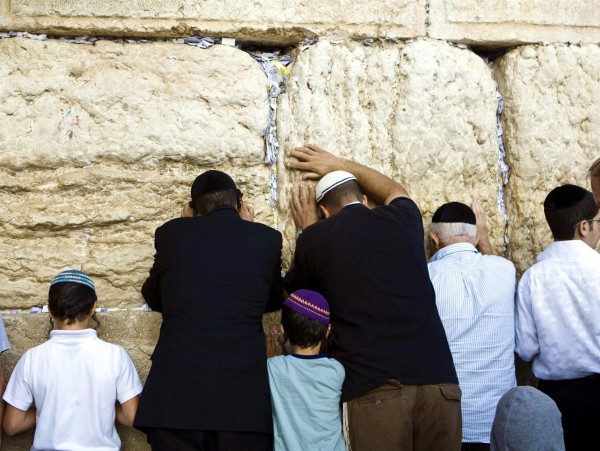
x=317 y=162
x=377 y=186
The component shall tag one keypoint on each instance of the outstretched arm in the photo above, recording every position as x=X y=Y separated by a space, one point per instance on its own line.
x=317 y=162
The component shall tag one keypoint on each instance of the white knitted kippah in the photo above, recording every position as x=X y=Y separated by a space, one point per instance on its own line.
x=331 y=181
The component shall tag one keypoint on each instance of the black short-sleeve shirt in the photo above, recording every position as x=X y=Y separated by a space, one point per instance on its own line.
x=370 y=265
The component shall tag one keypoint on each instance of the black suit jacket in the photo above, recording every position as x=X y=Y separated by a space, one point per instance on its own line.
x=213 y=278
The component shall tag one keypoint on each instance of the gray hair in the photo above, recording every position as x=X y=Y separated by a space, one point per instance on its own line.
x=447 y=230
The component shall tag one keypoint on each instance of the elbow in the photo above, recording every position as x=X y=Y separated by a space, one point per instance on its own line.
x=9 y=428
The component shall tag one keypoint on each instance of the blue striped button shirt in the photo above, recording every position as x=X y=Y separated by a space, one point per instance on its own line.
x=475 y=298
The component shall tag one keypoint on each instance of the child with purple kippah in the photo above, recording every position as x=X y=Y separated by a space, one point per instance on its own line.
x=72 y=387
x=306 y=385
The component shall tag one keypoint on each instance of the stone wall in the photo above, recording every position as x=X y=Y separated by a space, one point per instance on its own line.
x=99 y=143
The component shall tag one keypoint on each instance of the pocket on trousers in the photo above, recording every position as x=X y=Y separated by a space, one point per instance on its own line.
x=451 y=391
x=380 y=395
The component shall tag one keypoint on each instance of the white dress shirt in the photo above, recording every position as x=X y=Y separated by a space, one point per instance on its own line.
x=558 y=312
x=475 y=298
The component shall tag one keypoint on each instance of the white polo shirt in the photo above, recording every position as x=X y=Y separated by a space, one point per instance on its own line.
x=74 y=380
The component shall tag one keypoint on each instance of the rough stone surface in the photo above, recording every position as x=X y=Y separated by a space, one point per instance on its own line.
x=421 y=112
x=552 y=131
x=270 y=21
x=510 y=22
x=86 y=189
x=63 y=103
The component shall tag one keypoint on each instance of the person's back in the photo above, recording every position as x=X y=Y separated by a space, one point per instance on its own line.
x=374 y=274
x=475 y=299
x=213 y=277
x=73 y=378
x=401 y=389
x=557 y=313
x=67 y=387
x=306 y=385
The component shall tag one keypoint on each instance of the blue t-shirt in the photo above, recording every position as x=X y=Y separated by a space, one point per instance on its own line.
x=305 y=394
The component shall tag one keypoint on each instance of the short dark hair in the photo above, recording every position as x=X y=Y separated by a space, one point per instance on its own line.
x=565 y=206
x=70 y=301
x=302 y=331
x=207 y=203
x=341 y=195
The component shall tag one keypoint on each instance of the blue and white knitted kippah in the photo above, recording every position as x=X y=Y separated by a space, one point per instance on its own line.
x=73 y=276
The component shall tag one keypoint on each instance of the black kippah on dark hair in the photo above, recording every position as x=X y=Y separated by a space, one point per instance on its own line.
x=564 y=196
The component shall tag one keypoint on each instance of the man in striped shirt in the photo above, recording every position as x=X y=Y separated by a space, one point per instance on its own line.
x=475 y=299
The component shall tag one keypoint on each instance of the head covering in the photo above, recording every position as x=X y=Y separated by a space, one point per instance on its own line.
x=211 y=182
x=310 y=304
x=454 y=212
x=527 y=419
x=73 y=276
x=331 y=181
x=565 y=196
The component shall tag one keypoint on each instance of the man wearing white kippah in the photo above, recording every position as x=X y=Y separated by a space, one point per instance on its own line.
x=401 y=391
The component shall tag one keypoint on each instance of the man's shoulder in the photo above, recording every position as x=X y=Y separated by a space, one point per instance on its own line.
x=497 y=260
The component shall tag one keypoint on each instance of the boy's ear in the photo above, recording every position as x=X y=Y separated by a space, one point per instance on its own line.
x=93 y=308
x=328 y=330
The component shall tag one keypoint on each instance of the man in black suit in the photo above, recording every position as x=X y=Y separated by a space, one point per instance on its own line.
x=213 y=277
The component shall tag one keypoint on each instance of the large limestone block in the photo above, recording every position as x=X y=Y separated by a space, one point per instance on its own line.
x=422 y=112
x=552 y=132
x=267 y=21
x=100 y=144
x=62 y=103
x=510 y=22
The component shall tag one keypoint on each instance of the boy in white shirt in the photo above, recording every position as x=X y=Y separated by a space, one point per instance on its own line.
x=72 y=387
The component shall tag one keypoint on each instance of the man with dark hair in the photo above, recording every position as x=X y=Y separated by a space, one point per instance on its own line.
x=400 y=391
x=558 y=311
x=475 y=296
x=213 y=277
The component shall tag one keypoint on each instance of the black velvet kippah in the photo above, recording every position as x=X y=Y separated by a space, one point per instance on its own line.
x=211 y=182
x=454 y=212
x=564 y=197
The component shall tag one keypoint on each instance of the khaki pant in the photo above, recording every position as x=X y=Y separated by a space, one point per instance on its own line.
x=405 y=418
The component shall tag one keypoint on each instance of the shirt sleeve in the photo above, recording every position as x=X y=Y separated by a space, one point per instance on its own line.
x=128 y=380
x=4 y=343
x=18 y=392
x=526 y=339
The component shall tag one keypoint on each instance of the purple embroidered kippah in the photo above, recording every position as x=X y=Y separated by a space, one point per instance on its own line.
x=310 y=304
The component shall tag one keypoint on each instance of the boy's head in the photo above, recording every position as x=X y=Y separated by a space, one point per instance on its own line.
x=72 y=296
x=305 y=319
